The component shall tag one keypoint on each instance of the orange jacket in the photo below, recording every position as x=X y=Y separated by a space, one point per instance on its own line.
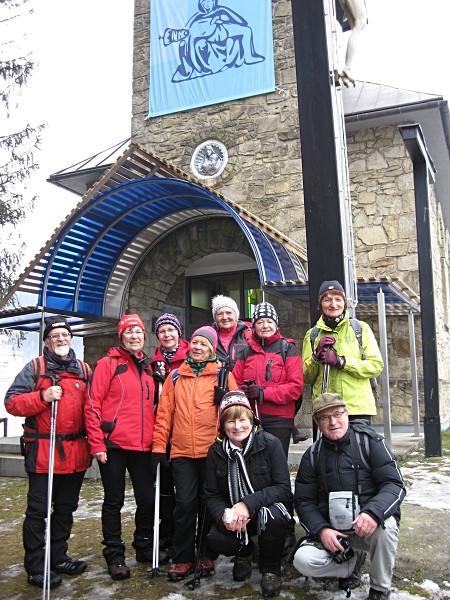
x=187 y=415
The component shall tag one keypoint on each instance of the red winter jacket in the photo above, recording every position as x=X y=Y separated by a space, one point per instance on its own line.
x=119 y=404
x=24 y=399
x=282 y=381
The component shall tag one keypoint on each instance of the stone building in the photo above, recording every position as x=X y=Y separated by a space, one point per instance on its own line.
x=177 y=263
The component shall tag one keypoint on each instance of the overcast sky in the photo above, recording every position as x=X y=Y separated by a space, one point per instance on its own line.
x=82 y=86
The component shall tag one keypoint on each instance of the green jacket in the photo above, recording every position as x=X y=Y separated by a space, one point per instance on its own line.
x=353 y=381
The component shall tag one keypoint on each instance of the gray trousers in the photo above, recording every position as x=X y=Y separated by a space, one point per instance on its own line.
x=315 y=561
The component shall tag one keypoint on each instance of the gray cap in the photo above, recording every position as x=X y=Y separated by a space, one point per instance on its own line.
x=327 y=400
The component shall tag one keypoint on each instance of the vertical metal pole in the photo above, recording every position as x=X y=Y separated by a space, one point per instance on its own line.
x=386 y=395
x=414 y=380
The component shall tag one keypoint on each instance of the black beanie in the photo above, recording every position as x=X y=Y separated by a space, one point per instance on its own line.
x=328 y=286
x=54 y=322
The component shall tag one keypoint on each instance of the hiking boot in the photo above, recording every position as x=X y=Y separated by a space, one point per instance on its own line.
x=377 y=595
x=119 y=570
x=270 y=584
x=298 y=437
x=144 y=556
x=38 y=580
x=180 y=571
x=242 y=568
x=354 y=579
x=205 y=566
x=71 y=567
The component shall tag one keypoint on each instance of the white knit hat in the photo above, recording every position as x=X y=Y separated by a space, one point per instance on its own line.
x=220 y=301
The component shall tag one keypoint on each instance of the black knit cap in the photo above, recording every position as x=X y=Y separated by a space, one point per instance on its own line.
x=330 y=286
x=54 y=322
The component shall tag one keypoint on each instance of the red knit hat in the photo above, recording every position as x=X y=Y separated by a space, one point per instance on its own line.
x=130 y=321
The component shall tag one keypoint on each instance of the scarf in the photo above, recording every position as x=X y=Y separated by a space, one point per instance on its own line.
x=58 y=364
x=239 y=484
x=169 y=354
x=333 y=322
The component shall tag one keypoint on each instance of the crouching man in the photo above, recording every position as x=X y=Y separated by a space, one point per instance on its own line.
x=348 y=493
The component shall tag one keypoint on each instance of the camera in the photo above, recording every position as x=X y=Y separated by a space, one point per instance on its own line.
x=345 y=554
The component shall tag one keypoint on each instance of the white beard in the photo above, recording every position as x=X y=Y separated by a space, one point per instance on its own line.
x=62 y=350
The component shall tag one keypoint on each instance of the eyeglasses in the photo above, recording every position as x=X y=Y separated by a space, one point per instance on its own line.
x=55 y=336
x=336 y=415
x=133 y=332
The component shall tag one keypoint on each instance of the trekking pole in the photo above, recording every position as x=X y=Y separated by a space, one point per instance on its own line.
x=326 y=375
x=195 y=581
x=155 y=561
x=51 y=466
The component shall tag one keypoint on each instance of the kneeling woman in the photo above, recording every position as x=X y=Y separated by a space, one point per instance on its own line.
x=248 y=492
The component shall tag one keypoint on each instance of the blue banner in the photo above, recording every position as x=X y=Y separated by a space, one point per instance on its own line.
x=208 y=51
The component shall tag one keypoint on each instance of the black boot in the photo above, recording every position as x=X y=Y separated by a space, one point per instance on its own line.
x=354 y=579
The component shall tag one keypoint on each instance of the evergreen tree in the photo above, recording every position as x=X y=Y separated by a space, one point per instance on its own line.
x=17 y=143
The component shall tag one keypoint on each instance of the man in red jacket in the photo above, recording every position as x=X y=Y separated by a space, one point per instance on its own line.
x=56 y=377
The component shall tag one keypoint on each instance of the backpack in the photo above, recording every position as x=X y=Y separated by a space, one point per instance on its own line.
x=356 y=326
x=39 y=371
x=283 y=353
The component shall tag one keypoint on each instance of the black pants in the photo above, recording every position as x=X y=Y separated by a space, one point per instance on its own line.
x=138 y=465
x=65 y=496
x=166 y=504
x=190 y=503
x=279 y=427
x=270 y=542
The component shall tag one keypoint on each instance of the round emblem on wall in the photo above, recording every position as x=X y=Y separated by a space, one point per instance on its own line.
x=209 y=159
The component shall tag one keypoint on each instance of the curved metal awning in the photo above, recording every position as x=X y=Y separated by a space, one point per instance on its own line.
x=86 y=267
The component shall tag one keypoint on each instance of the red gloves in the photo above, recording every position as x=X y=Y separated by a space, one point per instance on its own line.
x=325 y=340
x=331 y=357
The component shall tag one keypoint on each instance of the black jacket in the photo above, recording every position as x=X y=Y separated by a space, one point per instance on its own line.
x=237 y=344
x=381 y=485
x=268 y=471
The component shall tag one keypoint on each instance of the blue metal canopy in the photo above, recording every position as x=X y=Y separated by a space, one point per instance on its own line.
x=86 y=267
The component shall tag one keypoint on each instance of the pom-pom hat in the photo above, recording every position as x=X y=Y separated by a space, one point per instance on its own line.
x=220 y=302
x=234 y=398
x=264 y=310
x=126 y=321
x=168 y=319
x=207 y=332
x=55 y=322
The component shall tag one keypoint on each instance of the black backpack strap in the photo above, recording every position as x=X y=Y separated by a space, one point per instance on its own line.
x=312 y=336
x=364 y=448
x=174 y=377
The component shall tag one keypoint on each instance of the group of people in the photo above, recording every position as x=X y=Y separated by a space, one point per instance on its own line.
x=214 y=417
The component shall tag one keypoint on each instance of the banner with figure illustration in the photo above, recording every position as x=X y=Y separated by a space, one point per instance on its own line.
x=208 y=51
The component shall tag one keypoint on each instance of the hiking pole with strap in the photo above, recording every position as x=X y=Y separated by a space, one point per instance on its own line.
x=51 y=466
x=195 y=581
x=155 y=560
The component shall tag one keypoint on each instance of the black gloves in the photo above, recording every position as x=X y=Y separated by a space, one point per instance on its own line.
x=331 y=357
x=326 y=340
x=219 y=393
x=253 y=391
x=159 y=458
